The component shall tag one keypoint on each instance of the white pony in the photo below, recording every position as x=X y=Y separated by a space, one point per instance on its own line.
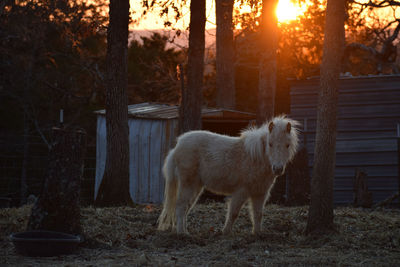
x=243 y=167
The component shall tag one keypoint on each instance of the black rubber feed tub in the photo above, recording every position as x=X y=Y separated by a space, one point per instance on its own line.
x=44 y=243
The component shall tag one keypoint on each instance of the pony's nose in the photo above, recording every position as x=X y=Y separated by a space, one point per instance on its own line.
x=277 y=170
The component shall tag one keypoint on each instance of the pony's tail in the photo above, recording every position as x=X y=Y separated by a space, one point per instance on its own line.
x=167 y=217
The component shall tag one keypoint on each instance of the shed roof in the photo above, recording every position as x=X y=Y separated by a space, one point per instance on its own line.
x=166 y=111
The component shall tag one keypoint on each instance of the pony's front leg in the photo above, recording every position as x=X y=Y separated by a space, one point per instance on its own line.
x=256 y=212
x=234 y=207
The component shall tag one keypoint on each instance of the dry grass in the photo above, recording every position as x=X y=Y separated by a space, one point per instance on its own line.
x=128 y=236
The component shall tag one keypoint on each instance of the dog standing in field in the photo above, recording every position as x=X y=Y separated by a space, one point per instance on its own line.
x=243 y=167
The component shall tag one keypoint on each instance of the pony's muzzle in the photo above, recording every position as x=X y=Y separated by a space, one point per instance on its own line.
x=278 y=170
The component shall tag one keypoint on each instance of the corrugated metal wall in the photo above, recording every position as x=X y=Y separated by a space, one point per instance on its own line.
x=368 y=114
x=149 y=142
x=101 y=142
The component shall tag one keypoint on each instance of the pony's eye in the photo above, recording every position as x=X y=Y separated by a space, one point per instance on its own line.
x=287 y=145
x=270 y=144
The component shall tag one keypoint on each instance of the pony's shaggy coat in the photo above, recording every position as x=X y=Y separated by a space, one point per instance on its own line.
x=243 y=167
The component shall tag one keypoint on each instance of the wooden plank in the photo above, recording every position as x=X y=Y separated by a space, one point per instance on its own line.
x=350 y=111
x=134 y=145
x=353 y=135
x=370 y=84
x=382 y=171
x=387 y=121
x=101 y=145
x=359 y=134
x=371 y=103
x=164 y=150
x=144 y=161
x=362 y=159
x=343 y=197
x=156 y=134
x=359 y=84
x=374 y=183
x=358 y=146
x=366 y=145
x=361 y=88
x=350 y=97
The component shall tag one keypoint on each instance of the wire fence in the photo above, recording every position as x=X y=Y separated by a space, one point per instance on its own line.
x=30 y=159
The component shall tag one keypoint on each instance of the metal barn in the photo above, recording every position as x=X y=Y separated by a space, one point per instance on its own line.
x=153 y=129
x=368 y=118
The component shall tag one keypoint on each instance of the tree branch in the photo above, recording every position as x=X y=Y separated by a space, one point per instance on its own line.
x=379 y=4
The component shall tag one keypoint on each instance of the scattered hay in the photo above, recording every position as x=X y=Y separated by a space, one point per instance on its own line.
x=128 y=236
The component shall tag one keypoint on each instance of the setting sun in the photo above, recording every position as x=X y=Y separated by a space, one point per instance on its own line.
x=287 y=10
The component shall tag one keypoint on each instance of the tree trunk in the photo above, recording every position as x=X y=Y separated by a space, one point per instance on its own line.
x=114 y=188
x=57 y=208
x=320 y=217
x=194 y=95
x=225 y=67
x=267 y=64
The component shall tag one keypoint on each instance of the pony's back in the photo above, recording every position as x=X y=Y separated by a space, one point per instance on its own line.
x=204 y=142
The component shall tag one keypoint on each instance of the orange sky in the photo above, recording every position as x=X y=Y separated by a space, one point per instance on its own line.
x=286 y=11
x=152 y=20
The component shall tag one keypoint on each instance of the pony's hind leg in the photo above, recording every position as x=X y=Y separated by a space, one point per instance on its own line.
x=187 y=197
x=234 y=207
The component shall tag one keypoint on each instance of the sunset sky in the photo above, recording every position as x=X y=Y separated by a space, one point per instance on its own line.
x=286 y=11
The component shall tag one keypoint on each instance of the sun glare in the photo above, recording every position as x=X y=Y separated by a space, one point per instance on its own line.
x=287 y=11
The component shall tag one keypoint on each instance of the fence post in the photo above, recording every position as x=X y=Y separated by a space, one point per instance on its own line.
x=398 y=159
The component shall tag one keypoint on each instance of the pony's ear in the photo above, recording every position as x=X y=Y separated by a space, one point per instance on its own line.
x=271 y=126
x=288 y=127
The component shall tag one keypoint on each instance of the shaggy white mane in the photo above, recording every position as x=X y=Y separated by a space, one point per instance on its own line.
x=256 y=138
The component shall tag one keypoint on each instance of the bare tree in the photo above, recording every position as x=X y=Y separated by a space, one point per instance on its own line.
x=225 y=69
x=191 y=109
x=377 y=53
x=384 y=53
x=114 y=189
x=267 y=64
x=320 y=217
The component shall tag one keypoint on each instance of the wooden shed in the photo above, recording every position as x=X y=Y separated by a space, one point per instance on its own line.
x=153 y=129
x=368 y=115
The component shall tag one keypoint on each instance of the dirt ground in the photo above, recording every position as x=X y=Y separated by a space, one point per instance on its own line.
x=127 y=236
